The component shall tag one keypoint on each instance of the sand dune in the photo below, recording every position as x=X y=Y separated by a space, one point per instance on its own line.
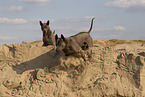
x=114 y=69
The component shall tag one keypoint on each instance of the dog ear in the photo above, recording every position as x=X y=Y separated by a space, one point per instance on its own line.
x=47 y=22
x=40 y=23
x=62 y=37
x=56 y=38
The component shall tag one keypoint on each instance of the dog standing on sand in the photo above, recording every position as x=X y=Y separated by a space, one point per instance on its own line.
x=48 y=36
x=73 y=44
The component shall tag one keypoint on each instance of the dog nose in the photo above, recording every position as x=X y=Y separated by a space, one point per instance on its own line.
x=45 y=30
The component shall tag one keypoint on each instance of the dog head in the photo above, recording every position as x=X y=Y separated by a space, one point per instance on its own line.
x=60 y=43
x=46 y=32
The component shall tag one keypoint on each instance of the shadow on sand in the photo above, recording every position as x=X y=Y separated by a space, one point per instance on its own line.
x=45 y=60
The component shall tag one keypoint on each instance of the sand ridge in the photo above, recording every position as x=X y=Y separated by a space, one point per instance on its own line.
x=28 y=69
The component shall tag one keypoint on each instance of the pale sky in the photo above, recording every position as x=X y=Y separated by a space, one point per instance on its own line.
x=114 y=19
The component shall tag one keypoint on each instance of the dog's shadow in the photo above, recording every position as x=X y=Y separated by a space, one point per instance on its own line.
x=48 y=59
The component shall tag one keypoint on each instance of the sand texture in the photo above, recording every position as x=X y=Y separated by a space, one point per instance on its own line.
x=111 y=70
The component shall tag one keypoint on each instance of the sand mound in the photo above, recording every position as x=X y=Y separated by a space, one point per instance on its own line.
x=28 y=69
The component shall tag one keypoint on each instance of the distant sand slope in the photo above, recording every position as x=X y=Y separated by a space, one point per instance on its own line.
x=115 y=68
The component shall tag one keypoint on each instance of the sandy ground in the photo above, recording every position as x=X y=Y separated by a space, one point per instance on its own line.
x=30 y=70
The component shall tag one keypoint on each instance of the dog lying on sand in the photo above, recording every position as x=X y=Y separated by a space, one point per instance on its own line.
x=74 y=44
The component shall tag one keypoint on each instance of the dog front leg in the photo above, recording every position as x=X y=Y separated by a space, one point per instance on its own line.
x=82 y=54
x=79 y=50
x=76 y=48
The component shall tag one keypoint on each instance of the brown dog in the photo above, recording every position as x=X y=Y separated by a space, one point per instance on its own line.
x=74 y=43
x=48 y=36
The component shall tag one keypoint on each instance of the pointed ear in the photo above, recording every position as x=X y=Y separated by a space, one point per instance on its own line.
x=54 y=32
x=40 y=23
x=62 y=37
x=47 y=22
x=56 y=38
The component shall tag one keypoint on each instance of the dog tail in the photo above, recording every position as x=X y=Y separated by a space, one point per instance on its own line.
x=91 y=25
